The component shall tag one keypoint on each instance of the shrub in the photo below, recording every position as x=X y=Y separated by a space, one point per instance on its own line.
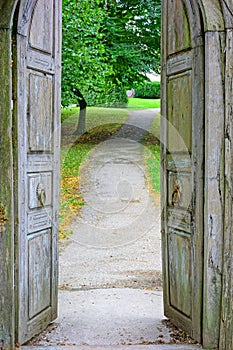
x=148 y=90
x=113 y=96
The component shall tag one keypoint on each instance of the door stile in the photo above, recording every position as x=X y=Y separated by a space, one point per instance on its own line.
x=20 y=185
x=198 y=161
x=56 y=152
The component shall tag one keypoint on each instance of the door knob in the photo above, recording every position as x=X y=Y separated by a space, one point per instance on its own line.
x=176 y=195
x=41 y=194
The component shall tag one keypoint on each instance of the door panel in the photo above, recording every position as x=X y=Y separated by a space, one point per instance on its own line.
x=180 y=272
x=182 y=164
x=37 y=153
x=39 y=268
x=40 y=112
x=43 y=18
x=180 y=112
x=178 y=27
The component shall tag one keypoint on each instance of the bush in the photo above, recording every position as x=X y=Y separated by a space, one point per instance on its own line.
x=114 y=96
x=148 y=90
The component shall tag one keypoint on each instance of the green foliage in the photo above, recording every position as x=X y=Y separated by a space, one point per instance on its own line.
x=132 y=39
x=148 y=90
x=82 y=52
x=115 y=97
x=108 y=45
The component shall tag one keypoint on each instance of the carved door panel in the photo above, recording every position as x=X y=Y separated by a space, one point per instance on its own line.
x=37 y=116
x=182 y=164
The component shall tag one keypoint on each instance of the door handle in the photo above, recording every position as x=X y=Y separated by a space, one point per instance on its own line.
x=176 y=195
x=41 y=194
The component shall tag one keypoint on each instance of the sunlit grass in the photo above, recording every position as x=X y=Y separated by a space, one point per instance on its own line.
x=152 y=156
x=142 y=103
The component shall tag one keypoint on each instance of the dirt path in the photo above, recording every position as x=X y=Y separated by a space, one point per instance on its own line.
x=120 y=224
x=110 y=270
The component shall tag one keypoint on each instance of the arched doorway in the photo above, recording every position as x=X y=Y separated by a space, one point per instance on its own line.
x=202 y=232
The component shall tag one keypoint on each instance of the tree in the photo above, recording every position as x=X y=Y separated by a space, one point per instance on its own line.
x=133 y=39
x=108 y=46
x=82 y=64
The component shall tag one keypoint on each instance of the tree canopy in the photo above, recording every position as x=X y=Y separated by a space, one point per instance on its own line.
x=108 y=46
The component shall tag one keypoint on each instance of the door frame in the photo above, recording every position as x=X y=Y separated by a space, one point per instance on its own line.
x=7 y=300
x=216 y=18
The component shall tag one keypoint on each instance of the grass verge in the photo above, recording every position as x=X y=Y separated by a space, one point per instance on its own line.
x=101 y=124
x=152 y=157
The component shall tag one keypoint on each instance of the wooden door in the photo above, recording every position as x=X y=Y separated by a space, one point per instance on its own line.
x=182 y=163
x=36 y=92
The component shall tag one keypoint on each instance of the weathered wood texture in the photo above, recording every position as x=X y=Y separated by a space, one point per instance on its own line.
x=37 y=154
x=7 y=304
x=215 y=87
x=6 y=198
x=182 y=164
x=226 y=340
x=211 y=11
x=26 y=290
x=214 y=185
x=227 y=6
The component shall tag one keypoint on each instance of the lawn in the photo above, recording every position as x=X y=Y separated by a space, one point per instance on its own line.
x=142 y=103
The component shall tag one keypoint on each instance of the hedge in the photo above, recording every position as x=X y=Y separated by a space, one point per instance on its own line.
x=148 y=90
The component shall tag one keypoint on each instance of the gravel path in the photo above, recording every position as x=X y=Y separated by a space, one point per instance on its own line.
x=110 y=269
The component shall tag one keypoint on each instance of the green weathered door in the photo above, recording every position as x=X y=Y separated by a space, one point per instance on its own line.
x=182 y=163
x=36 y=106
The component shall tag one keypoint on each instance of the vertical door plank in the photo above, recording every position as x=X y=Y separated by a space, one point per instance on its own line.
x=214 y=186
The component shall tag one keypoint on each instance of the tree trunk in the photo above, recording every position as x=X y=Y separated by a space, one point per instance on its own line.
x=81 y=128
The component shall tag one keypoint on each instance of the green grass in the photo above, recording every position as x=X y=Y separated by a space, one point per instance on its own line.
x=153 y=167
x=101 y=124
x=152 y=156
x=141 y=103
x=96 y=116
